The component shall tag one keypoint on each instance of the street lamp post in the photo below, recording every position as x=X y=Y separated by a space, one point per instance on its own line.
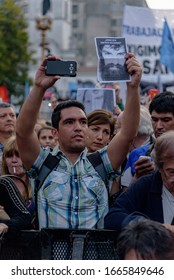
x=43 y=24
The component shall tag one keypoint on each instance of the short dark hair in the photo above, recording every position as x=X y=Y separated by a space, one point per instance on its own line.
x=56 y=115
x=101 y=116
x=162 y=103
x=149 y=239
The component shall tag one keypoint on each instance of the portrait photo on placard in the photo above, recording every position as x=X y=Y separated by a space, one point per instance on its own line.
x=110 y=47
x=111 y=53
x=97 y=98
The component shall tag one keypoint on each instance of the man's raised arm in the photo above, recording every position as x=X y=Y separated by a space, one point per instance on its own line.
x=27 y=139
x=119 y=146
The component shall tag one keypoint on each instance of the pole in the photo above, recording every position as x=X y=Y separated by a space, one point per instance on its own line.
x=43 y=24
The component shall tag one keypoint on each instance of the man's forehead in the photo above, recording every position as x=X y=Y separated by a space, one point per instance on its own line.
x=7 y=109
x=162 y=114
x=72 y=112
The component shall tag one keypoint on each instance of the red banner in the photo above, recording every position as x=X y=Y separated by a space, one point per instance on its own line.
x=4 y=93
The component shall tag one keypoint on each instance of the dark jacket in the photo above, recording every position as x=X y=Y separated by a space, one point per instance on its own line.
x=142 y=199
x=14 y=206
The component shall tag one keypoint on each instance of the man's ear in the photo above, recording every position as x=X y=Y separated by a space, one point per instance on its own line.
x=55 y=132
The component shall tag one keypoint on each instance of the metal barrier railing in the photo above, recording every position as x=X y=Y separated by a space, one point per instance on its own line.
x=60 y=244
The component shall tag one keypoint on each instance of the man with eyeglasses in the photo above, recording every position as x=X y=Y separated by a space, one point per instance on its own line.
x=151 y=196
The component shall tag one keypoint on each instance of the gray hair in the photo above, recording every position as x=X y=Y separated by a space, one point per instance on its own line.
x=145 y=124
x=163 y=149
x=6 y=105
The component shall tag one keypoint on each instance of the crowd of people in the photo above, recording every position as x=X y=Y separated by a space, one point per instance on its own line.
x=127 y=185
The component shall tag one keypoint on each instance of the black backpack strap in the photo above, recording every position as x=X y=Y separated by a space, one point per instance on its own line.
x=48 y=165
x=51 y=161
x=96 y=161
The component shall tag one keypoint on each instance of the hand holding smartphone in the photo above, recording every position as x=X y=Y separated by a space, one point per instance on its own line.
x=61 y=68
x=143 y=166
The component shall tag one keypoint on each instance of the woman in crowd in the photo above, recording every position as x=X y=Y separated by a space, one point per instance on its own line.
x=13 y=166
x=101 y=125
x=13 y=212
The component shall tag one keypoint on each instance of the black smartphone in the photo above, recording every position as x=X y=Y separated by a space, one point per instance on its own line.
x=61 y=68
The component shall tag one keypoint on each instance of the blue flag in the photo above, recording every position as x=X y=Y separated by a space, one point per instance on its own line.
x=167 y=48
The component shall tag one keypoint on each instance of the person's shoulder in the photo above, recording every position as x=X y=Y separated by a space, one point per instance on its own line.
x=103 y=150
x=140 y=150
x=149 y=181
x=7 y=185
x=6 y=181
x=55 y=151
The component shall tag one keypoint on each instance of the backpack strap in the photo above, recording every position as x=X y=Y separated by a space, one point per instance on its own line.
x=51 y=161
x=47 y=166
x=96 y=161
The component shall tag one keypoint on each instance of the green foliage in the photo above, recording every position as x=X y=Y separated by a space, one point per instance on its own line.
x=15 y=56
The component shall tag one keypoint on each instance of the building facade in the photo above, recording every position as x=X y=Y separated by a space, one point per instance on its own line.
x=92 y=18
x=74 y=25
